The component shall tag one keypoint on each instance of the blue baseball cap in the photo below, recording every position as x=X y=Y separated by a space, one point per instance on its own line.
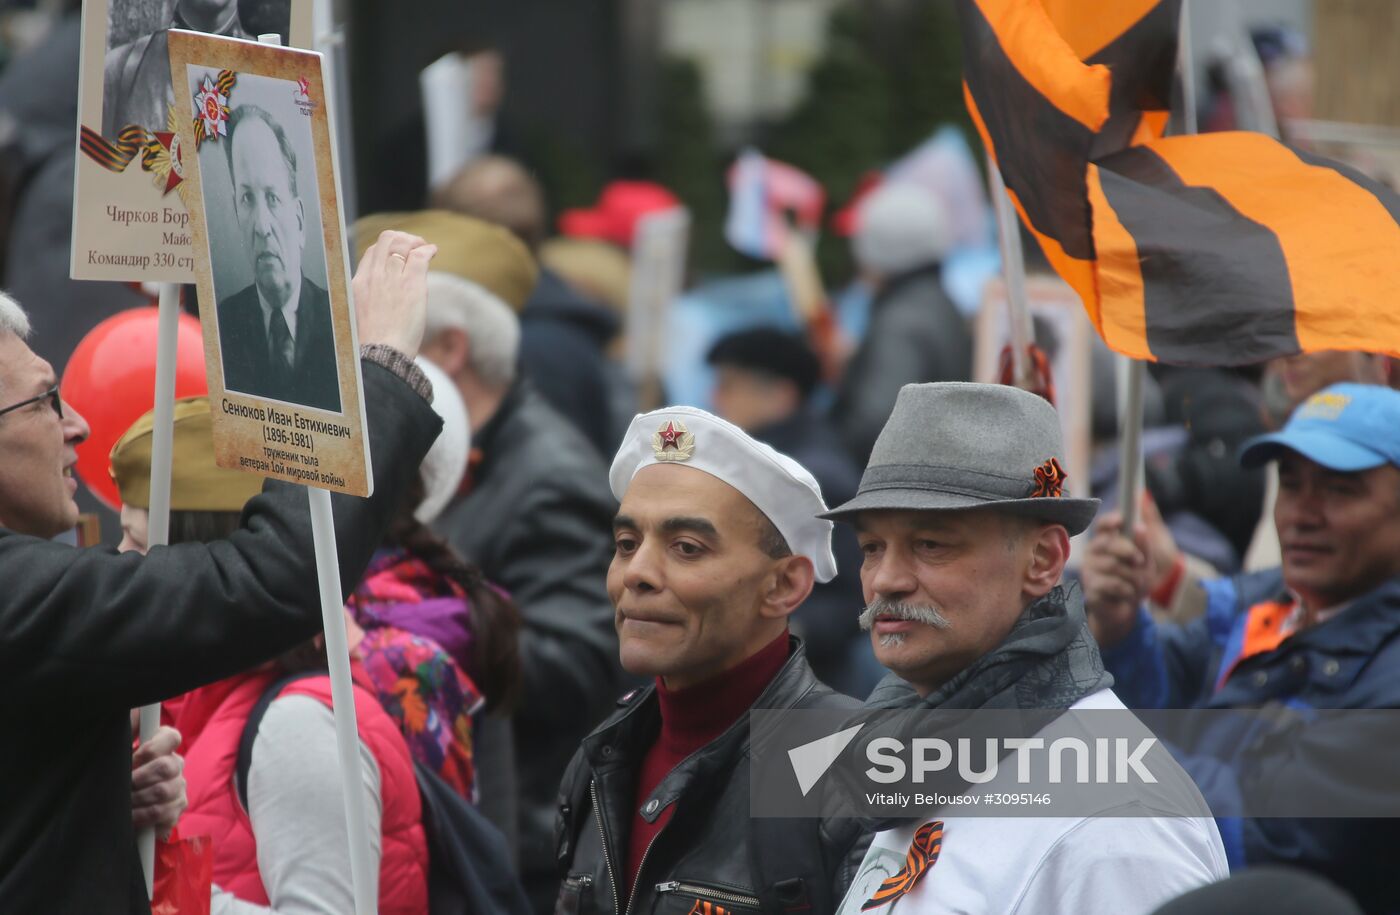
x=1344 y=427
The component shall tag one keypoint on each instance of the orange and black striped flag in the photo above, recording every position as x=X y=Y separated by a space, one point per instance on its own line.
x=1218 y=249
x=1136 y=40
x=923 y=854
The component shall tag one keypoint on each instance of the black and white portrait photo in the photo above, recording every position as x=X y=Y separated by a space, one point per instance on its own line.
x=266 y=245
x=136 y=82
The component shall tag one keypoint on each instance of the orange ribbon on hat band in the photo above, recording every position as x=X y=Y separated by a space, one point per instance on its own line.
x=1049 y=480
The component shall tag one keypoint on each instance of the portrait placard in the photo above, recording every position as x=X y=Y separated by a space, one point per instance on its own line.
x=658 y=273
x=270 y=261
x=130 y=217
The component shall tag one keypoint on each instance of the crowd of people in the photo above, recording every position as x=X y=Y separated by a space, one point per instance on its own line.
x=563 y=604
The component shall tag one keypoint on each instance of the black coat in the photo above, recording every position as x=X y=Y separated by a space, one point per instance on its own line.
x=86 y=635
x=563 y=342
x=538 y=521
x=247 y=360
x=709 y=842
x=916 y=335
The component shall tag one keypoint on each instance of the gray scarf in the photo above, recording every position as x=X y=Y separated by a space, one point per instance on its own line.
x=1048 y=661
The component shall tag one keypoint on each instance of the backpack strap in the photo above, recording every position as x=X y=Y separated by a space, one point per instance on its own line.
x=250 y=729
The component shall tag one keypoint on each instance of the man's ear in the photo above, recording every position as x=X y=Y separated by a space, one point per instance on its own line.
x=788 y=585
x=449 y=349
x=1049 y=553
x=301 y=221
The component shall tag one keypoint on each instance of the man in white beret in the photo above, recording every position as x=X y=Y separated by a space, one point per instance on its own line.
x=717 y=542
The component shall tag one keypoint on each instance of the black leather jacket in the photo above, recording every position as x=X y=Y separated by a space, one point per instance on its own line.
x=711 y=850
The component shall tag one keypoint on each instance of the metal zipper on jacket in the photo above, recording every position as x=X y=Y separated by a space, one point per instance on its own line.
x=632 y=896
x=603 y=838
x=675 y=886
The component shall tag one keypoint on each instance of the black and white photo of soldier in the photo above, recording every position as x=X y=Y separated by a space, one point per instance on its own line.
x=136 y=83
x=267 y=250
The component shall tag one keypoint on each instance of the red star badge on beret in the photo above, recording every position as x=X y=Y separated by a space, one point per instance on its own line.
x=670 y=436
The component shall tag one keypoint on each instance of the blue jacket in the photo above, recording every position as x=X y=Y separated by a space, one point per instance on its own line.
x=1219 y=661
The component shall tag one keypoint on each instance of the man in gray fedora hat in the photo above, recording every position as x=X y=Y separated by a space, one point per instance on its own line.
x=964 y=525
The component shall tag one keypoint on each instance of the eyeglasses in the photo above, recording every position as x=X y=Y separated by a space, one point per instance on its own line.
x=50 y=395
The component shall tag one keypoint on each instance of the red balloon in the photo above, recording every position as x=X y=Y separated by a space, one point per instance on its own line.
x=111 y=381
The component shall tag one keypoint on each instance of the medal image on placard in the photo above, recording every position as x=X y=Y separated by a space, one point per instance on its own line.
x=270 y=261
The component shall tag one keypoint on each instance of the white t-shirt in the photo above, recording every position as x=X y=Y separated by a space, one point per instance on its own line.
x=297 y=809
x=1033 y=865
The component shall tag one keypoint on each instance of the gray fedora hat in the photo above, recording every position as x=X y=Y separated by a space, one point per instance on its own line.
x=954 y=445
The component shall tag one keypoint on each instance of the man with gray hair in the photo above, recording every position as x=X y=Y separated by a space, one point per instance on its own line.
x=964 y=525
x=916 y=333
x=474 y=337
x=86 y=635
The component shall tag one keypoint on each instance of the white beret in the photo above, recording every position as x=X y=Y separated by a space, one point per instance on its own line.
x=780 y=487
x=446 y=462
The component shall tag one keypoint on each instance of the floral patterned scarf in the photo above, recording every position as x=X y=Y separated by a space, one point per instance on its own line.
x=416 y=652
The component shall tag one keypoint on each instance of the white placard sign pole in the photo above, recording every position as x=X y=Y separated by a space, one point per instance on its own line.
x=158 y=527
x=347 y=737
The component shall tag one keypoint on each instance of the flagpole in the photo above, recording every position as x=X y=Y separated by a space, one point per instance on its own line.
x=158 y=523
x=1013 y=268
x=1131 y=374
x=347 y=736
x=1130 y=462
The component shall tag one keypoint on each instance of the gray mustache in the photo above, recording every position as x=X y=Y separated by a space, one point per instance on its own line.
x=918 y=613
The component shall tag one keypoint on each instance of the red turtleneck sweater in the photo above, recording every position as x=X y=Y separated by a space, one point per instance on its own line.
x=691 y=718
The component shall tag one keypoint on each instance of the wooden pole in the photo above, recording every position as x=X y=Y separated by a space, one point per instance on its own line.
x=1013 y=268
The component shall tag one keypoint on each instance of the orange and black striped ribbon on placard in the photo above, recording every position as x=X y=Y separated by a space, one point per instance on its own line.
x=113 y=156
x=923 y=854
x=707 y=908
x=1217 y=249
